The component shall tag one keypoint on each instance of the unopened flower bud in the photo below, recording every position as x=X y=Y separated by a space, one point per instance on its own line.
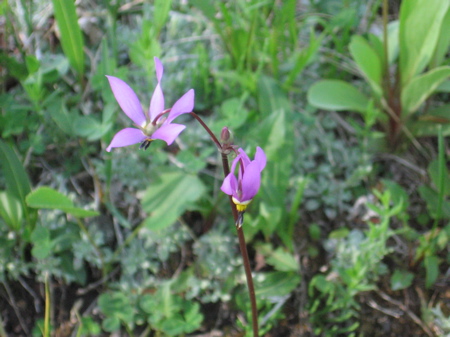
x=225 y=136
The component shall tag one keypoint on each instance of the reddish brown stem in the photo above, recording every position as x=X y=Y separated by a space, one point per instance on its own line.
x=240 y=232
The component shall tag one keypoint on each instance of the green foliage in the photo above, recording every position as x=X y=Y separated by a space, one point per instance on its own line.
x=166 y=200
x=71 y=36
x=18 y=186
x=48 y=198
x=356 y=268
x=417 y=41
x=169 y=313
x=157 y=244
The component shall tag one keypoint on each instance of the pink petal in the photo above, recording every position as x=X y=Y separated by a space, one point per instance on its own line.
x=184 y=105
x=127 y=100
x=229 y=185
x=260 y=158
x=156 y=103
x=158 y=68
x=251 y=181
x=168 y=132
x=125 y=137
x=246 y=160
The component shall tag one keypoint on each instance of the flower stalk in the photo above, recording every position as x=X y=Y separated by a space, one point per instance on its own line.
x=238 y=219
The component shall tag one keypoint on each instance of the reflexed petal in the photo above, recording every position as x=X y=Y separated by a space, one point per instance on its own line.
x=168 y=132
x=184 y=105
x=226 y=185
x=125 y=137
x=260 y=158
x=234 y=163
x=158 y=68
x=156 y=103
x=127 y=100
x=244 y=157
x=251 y=181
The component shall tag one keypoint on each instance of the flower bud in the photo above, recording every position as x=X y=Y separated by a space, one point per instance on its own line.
x=225 y=136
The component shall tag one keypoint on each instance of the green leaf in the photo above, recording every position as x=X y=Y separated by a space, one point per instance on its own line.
x=368 y=62
x=401 y=279
x=432 y=200
x=166 y=200
x=161 y=13
x=337 y=95
x=48 y=198
x=433 y=171
x=276 y=284
x=418 y=90
x=420 y=26
x=90 y=127
x=16 y=178
x=71 y=36
x=443 y=42
x=206 y=7
x=61 y=116
x=428 y=125
x=42 y=245
x=444 y=87
x=271 y=97
x=283 y=261
x=432 y=269
x=11 y=210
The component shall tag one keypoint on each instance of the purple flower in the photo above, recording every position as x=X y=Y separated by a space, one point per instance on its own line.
x=153 y=124
x=243 y=188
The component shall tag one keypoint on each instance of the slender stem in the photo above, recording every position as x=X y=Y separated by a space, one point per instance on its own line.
x=47 y=307
x=244 y=253
x=242 y=245
x=385 y=43
x=207 y=129
x=248 y=274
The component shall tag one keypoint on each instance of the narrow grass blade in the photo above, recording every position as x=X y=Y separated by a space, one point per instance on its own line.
x=71 y=37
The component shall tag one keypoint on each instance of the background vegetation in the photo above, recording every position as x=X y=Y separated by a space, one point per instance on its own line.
x=349 y=233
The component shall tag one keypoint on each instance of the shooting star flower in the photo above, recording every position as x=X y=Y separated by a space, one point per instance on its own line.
x=153 y=124
x=244 y=187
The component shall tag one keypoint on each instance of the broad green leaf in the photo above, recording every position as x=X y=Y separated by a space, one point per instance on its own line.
x=16 y=178
x=418 y=90
x=276 y=284
x=401 y=279
x=11 y=210
x=169 y=198
x=275 y=135
x=61 y=116
x=393 y=40
x=443 y=42
x=428 y=125
x=42 y=245
x=420 y=26
x=444 y=87
x=48 y=198
x=431 y=197
x=90 y=127
x=206 y=7
x=161 y=13
x=432 y=270
x=369 y=63
x=337 y=95
x=283 y=261
x=71 y=36
x=15 y=68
